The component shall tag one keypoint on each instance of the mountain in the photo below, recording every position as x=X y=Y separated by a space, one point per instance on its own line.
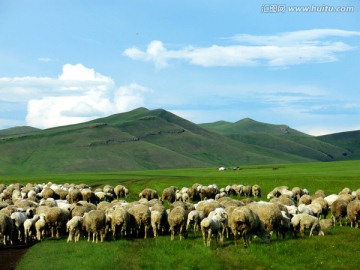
x=157 y=139
x=281 y=138
x=17 y=130
x=349 y=140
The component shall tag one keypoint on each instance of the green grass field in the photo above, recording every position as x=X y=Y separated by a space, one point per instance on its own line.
x=338 y=249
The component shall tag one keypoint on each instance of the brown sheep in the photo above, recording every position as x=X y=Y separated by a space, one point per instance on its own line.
x=246 y=222
x=149 y=194
x=177 y=219
x=338 y=210
x=353 y=212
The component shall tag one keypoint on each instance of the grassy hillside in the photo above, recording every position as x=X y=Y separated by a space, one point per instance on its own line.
x=281 y=138
x=157 y=139
x=17 y=130
x=349 y=140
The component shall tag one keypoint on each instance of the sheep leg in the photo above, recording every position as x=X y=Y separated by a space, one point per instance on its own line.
x=302 y=230
x=172 y=233
x=113 y=228
x=181 y=232
x=204 y=235
x=209 y=237
x=235 y=233
x=245 y=238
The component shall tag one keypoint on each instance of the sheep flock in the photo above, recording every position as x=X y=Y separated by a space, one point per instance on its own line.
x=33 y=212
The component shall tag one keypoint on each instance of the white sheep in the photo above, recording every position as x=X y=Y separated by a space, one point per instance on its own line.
x=73 y=227
x=40 y=226
x=29 y=228
x=19 y=219
x=194 y=218
x=305 y=221
x=221 y=215
x=211 y=226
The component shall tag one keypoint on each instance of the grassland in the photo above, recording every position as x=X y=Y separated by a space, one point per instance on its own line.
x=157 y=139
x=338 y=249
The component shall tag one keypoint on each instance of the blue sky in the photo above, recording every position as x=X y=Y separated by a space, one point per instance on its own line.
x=64 y=62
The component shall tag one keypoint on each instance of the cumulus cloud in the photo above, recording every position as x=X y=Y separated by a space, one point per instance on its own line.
x=285 y=49
x=78 y=94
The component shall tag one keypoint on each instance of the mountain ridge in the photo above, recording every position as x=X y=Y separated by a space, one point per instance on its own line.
x=158 y=139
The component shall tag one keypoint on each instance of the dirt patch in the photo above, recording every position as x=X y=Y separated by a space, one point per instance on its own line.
x=10 y=256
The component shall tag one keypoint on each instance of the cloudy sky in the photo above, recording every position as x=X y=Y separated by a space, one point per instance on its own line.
x=294 y=62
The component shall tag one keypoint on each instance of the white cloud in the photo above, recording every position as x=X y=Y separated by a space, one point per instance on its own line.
x=129 y=97
x=79 y=73
x=79 y=94
x=291 y=48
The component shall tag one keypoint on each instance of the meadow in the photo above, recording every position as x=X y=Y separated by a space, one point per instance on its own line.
x=338 y=249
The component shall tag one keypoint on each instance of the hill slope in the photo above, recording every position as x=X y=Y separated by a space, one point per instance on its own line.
x=157 y=139
x=281 y=138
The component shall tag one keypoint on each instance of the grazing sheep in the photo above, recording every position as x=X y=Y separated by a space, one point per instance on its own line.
x=73 y=227
x=338 y=210
x=6 y=229
x=353 y=213
x=256 y=191
x=313 y=209
x=207 y=206
x=331 y=198
x=141 y=215
x=169 y=194
x=324 y=205
x=283 y=199
x=94 y=222
x=148 y=194
x=357 y=194
x=347 y=197
x=238 y=189
x=88 y=195
x=120 y=219
x=40 y=227
x=277 y=191
x=29 y=228
x=298 y=192
x=48 y=193
x=220 y=214
x=305 y=199
x=120 y=191
x=56 y=219
x=246 y=222
x=194 y=218
x=212 y=226
x=326 y=223
x=319 y=194
x=177 y=219
x=158 y=219
x=18 y=220
x=208 y=192
x=345 y=191
x=305 y=221
x=247 y=190
x=270 y=214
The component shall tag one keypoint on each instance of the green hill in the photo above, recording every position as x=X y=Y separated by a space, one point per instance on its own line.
x=17 y=130
x=281 y=138
x=349 y=140
x=157 y=139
